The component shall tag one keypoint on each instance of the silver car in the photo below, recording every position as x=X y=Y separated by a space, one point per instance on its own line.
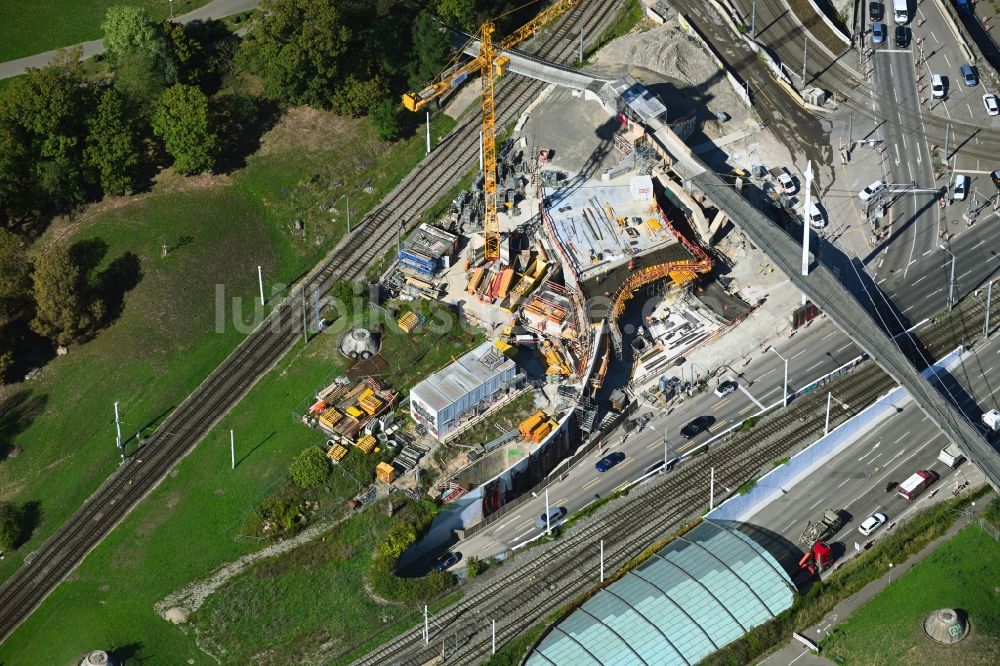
x=878 y=33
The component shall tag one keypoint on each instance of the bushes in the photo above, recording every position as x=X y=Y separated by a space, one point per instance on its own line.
x=413 y=520
x=310 y=468
x=10 y=526
x=278 y=515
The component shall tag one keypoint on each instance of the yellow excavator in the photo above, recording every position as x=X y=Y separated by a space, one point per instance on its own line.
x=489 y=64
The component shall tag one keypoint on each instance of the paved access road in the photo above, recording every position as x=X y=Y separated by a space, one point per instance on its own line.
x=855 y=480
x=215 y=9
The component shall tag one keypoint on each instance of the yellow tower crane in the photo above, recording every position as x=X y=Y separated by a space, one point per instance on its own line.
x=489 y=65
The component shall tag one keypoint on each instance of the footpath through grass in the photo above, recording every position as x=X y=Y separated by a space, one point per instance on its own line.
x=33 y=27
x=172 y=331
x=187 y=528
x=963 y=573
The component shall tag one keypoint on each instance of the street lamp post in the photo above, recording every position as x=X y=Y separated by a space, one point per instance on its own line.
x=784 y=392
x=951 y=280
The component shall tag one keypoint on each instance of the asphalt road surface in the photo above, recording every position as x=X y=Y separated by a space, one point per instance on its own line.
x=855 y=481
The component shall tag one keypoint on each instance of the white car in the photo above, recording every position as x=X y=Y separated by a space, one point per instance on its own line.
x=871 y=523
x=990 y=102
x=816 y=218
x=961 y=187
x=787 y=184
x=937 y=86
x=871 y=190
x=725 y=388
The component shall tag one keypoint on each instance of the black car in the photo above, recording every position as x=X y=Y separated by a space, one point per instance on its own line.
x=995 y=176
x=902 y=36
x=696 y=426
x=609 y=461
x=876 y=10
x=447 y=560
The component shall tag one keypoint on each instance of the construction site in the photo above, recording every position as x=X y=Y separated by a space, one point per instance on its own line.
x=575 y=213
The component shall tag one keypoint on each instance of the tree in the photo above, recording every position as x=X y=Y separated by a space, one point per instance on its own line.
x=430 y=45
x=65 y=311
x=182 y=121
x=310 y=468
x=140 y=82
x=300 y=49
x=460 y=13
x=10 y=526
x=357 y=96
x=15 y=278
x=128 y=30
x=113 y=143
x=385 y=117
x=42 y=123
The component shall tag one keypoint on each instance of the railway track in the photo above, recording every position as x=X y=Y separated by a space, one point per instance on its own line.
x=190 y=422
x=544 y=579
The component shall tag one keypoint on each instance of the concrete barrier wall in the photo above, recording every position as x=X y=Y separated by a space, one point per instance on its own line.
x=830 y=24
x=780 y=479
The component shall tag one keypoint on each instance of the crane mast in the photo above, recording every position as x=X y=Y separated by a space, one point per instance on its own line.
x=487 y=65
x=491 y=226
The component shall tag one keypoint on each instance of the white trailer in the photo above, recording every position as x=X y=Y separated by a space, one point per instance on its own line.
x=991 y=420
x=951 y=456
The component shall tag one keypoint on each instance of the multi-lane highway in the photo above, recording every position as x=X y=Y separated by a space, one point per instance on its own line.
x=855 y=481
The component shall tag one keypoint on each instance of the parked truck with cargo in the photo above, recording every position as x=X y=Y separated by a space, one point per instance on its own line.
x=917 y=483
x=821 y=530
x=951 y=456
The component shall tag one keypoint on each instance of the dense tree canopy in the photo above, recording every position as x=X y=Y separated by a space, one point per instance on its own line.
x=129 y=30
x=113 y=146
x=65 y=310
x=10 y=525
x=182 y=121
x=300 y=49
x=15 y=278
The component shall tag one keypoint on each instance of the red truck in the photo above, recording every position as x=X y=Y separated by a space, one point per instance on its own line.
x=917 y=483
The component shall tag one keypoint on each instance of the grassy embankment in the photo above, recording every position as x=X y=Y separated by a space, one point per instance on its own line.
x=187 y=527
x=961 y=574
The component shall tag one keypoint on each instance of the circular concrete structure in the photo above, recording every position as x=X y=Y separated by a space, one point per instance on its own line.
x=359 y=343
x=947 y=626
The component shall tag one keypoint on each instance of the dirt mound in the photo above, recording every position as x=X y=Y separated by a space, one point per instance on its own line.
x=665 y=50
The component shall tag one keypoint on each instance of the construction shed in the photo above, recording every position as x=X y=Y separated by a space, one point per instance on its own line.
x=439 y=401
x=428 y=249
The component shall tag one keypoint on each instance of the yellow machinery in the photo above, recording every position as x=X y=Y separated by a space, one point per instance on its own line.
x=488 y=66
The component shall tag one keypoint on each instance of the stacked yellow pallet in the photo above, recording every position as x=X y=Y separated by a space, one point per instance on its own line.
x=366 y=443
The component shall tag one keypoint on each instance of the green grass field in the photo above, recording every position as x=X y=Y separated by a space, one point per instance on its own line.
x=165 y=341
x=33 y=27
x=963 y=574
x=187 y=527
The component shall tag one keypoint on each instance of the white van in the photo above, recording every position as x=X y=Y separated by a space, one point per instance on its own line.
x=937 y=86
x=901 y=11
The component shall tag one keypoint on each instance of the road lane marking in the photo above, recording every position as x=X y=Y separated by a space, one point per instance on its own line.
x=522 y=534
x=817 y=503
x=844 y=347
x=905 y=435
x=720 y=403
x=843 y=483
x=919 y=279
x=507 y=522
x=811 y=367
x=802 y=351
x=749 y=408
x=759 y=377
x=590 y=483
x=926 y=253
x=750 y=395
x=560 y=502
x=828 y=335
x=983 y=373
x=964 y=274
